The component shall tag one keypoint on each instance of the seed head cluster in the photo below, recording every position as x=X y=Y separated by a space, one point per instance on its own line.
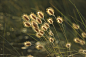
x=42 y=29
x=80 y=41
x=82 y=51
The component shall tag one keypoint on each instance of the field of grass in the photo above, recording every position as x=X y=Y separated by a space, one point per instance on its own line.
x=14 y=33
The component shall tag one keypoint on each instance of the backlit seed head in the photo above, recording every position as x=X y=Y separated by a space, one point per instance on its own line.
x=83 y=34
x=80 y=50
x=75 y=26
x=39 y=35
x=30 y=56
x=33 y=16
x=82 y=42
x=27 y=43
x=25 y=17
x=50 y=11
x=27 y=24
x=59 y=20
x=76 y=40
x=40 y=14
x=44 y=28
x=39 y=20
x=34 y=24
x=36 y=29
x=84 y=51
x=50 y=33
x=51 y=39
x=68 y=45
x=50 y=21
x=39 y=47
x=41 y=32
x=46 y=25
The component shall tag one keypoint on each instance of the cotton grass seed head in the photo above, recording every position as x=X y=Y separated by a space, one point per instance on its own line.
x=39 y=35
x=34 y=24
x=76 y=40
x=82 y=42
x=50 y=33
x=84 y=51
x=33 y=16
x=46 y=25
x=44 y=28
x=68 y=45
x=50 y=11
x=50 y=21
x=27 y=43
x=75 y=26
x=40 y=14
x=80 y=50
x=51 y=39
x=27 y=24
x=25 y=17
x=36 y=29
x=39 y=20
x=59 y=20
x=41 y=32
x=83 y=34
x=39 y=47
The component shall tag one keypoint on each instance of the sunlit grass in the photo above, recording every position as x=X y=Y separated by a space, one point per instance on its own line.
x=60 y=44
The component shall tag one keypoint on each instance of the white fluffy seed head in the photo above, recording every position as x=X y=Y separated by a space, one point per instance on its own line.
x=39 y=47
x=44 y=28
x=50 y=21
x=27 y=43
x=46 y=25
x=27 y=24
x=36 y=29
x=84 y=51
x=39 y=20
x=25 y=17
x=76 y=40
x=32 y=16
x=51 y=39
x=82 y=42
x=50 y=33
x=50 y=11
x=34 y=24
x=75 y=26
x=83 y=34
x=59 y=20
x=39 y=35
x=41 y=32
x=40 y=14
x=80 y=50
x=68 y=45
